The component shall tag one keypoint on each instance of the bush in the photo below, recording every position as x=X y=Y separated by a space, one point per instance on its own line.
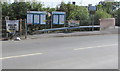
x=101 y=15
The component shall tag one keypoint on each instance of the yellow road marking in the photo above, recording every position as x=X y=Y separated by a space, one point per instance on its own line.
x=20 y=56
x=95 y=47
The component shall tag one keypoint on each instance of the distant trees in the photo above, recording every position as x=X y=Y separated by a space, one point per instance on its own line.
x=108 y=7
x=0 y=11
x=100 y=15
x=18 y=10
x=106 y=10
x=117 y=16
x=5 y=9
x=74 y=12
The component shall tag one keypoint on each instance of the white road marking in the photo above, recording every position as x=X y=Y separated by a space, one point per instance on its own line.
x=20 y=56
x=95 y=47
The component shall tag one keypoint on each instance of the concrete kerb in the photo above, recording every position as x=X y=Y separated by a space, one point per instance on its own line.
x=68 y=34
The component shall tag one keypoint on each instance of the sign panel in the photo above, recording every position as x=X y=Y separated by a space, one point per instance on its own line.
x=12 y=25
x=59 y=13
x=55 y=19
x=61 y=19
x=36 y=19
x=73 y=23
x=29 y=18
x=92 y=8
x=42 y=19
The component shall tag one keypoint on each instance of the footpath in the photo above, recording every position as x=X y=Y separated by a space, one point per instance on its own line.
x=85 y=33
x=81 y=33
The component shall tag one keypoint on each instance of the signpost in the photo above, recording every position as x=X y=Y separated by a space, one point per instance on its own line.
x=92 y=10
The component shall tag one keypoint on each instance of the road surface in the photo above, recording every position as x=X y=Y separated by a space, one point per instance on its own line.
x=76 y=52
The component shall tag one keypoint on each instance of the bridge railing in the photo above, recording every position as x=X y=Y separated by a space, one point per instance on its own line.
x=66 y=28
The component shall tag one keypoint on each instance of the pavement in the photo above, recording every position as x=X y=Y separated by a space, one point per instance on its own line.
x=76 y=52
x=48 y=35
x=81 y=33
x=70 y=34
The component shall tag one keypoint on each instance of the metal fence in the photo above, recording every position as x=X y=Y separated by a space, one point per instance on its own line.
x=31 y=29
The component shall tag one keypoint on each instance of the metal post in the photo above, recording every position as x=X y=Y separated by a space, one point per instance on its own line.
x=92 y=22
x=25 y=29
x=51 y=21
x=20 y=27
x=7 y=34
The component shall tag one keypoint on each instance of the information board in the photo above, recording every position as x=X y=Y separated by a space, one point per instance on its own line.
x=36 y=17
x=58 y=17
x=42 y=19
x=61 y=19
x=12 y=25
x=55 y=19
x=29 y=18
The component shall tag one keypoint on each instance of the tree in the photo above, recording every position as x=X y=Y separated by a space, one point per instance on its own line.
x=118 y=17
x=5 y=10
x=105 y=6
x=19 y=10
x=100 y=15
x=36 y=6
x=0 y=10
x=74 y=12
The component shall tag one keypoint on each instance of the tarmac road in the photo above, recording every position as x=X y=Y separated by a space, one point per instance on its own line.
x=76 y=52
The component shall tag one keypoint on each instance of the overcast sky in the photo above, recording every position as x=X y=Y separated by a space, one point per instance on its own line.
x=78 y=2
x=53 y=3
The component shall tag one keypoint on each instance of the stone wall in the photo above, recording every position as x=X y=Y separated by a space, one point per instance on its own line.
x=106 y=24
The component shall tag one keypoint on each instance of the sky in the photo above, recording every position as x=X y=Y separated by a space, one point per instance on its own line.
x=54 y=3
x=78 y=2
